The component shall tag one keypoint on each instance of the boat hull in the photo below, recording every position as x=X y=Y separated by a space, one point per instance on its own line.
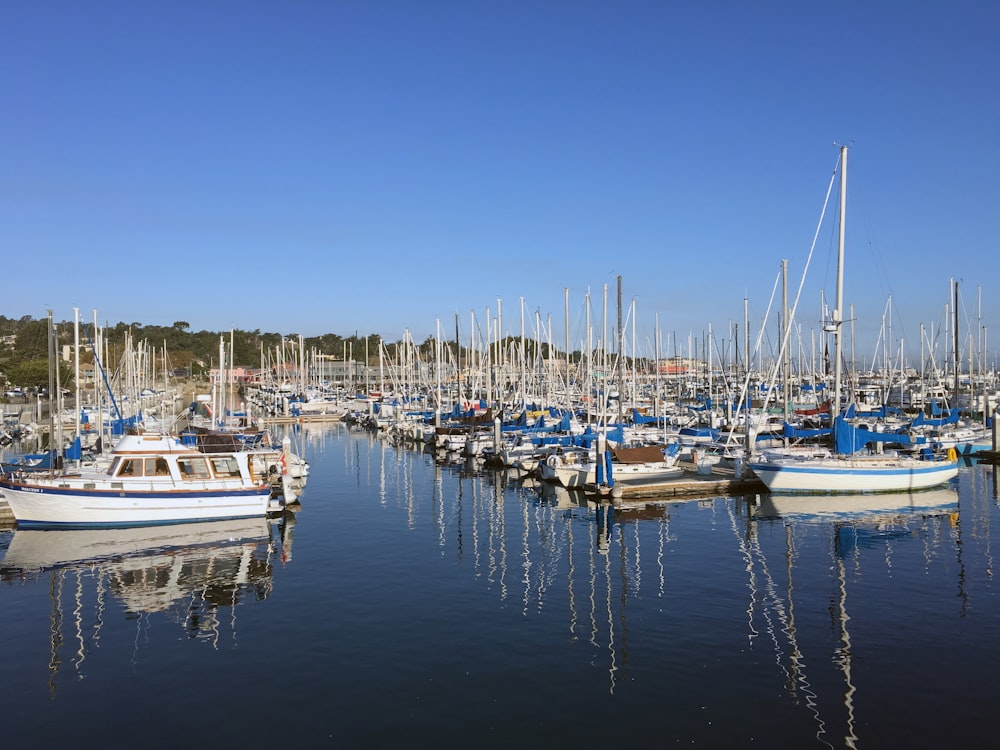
x=574 y=476
x=852 y=475
x=636 y=475
x=40 y=506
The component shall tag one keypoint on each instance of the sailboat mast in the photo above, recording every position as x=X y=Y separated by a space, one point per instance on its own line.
x=837 y=314
x=954 y=348
x=566 y=336
x=53 y=445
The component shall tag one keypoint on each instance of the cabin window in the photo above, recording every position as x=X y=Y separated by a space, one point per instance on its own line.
x=193 y=468
x=130 y=467
x=225 y=466
x=156 y=467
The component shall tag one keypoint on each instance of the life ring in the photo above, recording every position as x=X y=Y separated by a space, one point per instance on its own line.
x=952 y=454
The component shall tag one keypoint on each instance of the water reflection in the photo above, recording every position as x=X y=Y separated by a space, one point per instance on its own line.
x=553 y=550
x=533 y=543
x=886 y=508
x=192 y=574
x=861 y=532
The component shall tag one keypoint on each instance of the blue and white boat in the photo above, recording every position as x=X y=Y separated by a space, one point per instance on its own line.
x=852 y=474
x=151 y=479
x=848 y=469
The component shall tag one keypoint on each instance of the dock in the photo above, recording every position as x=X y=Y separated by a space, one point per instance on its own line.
x=693 y=486
x=303 y=418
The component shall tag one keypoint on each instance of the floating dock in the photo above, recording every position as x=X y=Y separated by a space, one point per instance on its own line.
x=303 y=418
x=6 y=515
x=692 y=486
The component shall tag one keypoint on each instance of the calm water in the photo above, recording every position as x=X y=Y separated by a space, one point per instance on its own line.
x=414 y=603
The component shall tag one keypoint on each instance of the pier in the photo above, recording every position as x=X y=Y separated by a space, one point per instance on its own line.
x=327 y=417
x=694 y=486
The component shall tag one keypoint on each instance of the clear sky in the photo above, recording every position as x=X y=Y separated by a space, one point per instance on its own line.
x=378 y=166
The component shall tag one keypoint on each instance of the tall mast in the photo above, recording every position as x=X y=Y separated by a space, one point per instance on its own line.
x=54 y=446
x=954 y=348
x=785 y=326
x=837 y=312
x=566 y=332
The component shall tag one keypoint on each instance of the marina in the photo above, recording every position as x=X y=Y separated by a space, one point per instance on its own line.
x=478 y=374
x=426 y=598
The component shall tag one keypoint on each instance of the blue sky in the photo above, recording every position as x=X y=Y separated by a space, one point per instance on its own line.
x=378 y=166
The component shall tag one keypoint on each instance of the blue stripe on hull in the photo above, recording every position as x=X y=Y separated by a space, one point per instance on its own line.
x=125 y=525
x=848 y=472
x=137 y=494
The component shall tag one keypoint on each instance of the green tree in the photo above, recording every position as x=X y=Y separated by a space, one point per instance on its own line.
x=34 y=373
x=32 y=340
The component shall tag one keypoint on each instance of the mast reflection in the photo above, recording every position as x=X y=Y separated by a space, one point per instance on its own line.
x=855 y=523
x=191 y=573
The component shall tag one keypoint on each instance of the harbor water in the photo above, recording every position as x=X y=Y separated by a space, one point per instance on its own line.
x=413 y=601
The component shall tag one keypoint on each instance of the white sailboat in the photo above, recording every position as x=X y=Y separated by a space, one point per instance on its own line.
x=848 y=470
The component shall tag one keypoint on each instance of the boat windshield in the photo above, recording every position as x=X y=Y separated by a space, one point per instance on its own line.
x=225 y=466
x=193 y=467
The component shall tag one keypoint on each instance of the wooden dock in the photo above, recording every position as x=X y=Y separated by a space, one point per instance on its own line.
x=6 y=515
x=303 y=419
x=693 y=486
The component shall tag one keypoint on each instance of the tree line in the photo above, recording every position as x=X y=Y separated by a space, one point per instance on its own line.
x=24 y=351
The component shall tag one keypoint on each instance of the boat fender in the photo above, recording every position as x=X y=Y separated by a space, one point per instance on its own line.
x=952 y=454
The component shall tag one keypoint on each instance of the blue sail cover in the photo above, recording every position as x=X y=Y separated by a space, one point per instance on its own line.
x=951 y=417
x=850 y=439
x=795 y=433
x=74 y=451
x=123 y=425
x=882 y=412
x=640 y=418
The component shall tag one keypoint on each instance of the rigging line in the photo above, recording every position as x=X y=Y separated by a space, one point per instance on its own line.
x=802 y=281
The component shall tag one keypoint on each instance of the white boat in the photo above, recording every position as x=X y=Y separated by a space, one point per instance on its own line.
x=152 y=479
x=570 y=468
x=720 y=458
x=849 y=471
x=645 y=465
x=649 y=464
x=850 y=474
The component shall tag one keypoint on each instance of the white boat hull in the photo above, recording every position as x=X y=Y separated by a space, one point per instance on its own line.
x=852 y=475
x=575 y=476
x=35 y=506
x=633 y=475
